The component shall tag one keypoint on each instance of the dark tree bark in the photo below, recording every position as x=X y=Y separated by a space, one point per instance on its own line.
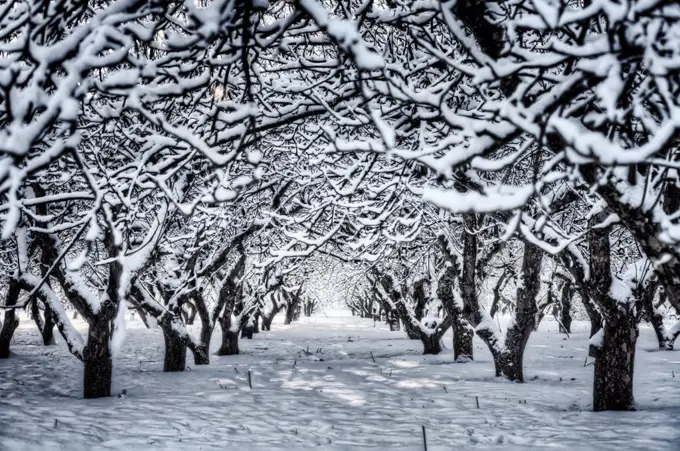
x=507 y=351
x=11 y=321
x=614 y=365
x=564 y=307
x=247 y=332
x=584 y=290
x=202 y=350
x=97 y=352
x=430 y=336
x=421 y=301
x=462 y=333
x=292 y=305
x=411 y=332
x=289 y=314
x=432 y=344
x=393 y=321
x=229 y=343
x=310 y=307
x=665 y=337
x=256 y=322
x=97 y=359
x=509 y=361
x=175 y=353
x=229 y=294
x=46 y=327
x=190 y=317
x=267 y=321
x=47 y=331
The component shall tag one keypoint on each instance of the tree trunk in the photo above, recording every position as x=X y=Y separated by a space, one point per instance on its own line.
x=411 y=332
x=48 y=330
x=191 y=316
x=229 y=343
x=247 y=332
x=564 y=309
x=202 y=350
x=267 y=322
x=509 y=364
x=462 y=332
x=290 y=312
x=509 y=359
x=432 y=344
x=97 y=359
x=11 y=321
x=539 y=317
x=46 y=326
x=462 y=341
x=175 y=353
x=595 y=327
x=256 y=322
x=393 y=321
x=665 y=337
x=613 y=383
x=201 y=354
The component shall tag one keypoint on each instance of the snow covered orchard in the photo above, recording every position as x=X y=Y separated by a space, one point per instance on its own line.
x=207 y=162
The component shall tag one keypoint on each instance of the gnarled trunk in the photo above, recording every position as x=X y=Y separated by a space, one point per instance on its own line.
x=462 y=332
x=462 y=340
x=411 y=332
x=247 y=332
x=47 y=332
x=229 y=343
x=201 y=351
x=509 y=364
x=509 y=360
x=190 y=317
x=46 y=325
x=175 y=353
x=564 y=308
x=613 y=383
x=432 y=344
x=201 y=354
x=393 y=321
x=97 y=359
x=256 y=322
x=665 y=337
x=11 y=321
x=289 y=315
x=267 y=322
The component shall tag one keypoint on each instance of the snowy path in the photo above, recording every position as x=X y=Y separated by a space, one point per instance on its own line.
x=335 y=399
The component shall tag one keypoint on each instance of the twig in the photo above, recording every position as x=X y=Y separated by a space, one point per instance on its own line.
x=372 y=357
x=250 y=382
x=424 y=439
x=477 y=400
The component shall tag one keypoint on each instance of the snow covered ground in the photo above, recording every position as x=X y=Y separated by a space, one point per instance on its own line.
x=316 y=386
